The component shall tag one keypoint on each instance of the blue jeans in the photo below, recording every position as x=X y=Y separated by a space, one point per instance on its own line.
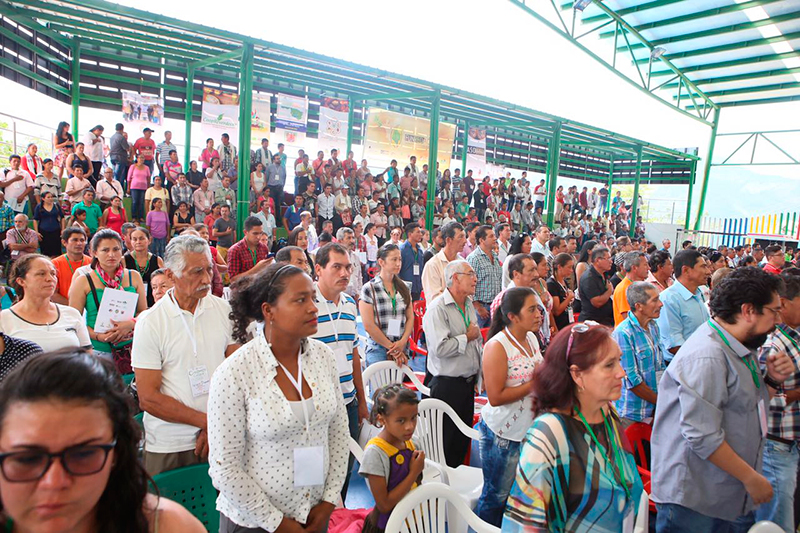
x=150 y=164
x=137 y=203
x=355 y=429
x=121 y=172
x=499 y=458
x=673 y=518
x=375 y=353
x=158 y=246
x=780 y=468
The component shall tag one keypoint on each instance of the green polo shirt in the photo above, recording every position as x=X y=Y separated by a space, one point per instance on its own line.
x=93 y=215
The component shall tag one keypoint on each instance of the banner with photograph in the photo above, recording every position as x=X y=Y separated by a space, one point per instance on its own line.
x=393 y=135
x=220 y=114
x=476 y=151
x=333 y=125
x=260 y=120
x=292 y=113
x=142 y=109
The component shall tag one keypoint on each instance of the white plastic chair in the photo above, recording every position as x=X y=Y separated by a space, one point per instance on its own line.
x=429 y=507
x=384 y=373
x=467 y=481
x=765 y=526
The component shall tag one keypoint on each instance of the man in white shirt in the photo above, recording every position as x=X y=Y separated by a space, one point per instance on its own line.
x=433 y=280
x=539 y=194
x=503 y=232
x=325 y=204
x=337 y=314
x=93 y=142
x=162 y=155
x=17 y=185
x=108 y=188
x=540 y=241
x=177 y=345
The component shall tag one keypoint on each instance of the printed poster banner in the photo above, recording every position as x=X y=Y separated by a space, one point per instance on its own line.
x=292 y=113
x=220 y=114
x=476 y=151
x=397 y=136
x=142 y=109
x=333 y=125
x=260 y=121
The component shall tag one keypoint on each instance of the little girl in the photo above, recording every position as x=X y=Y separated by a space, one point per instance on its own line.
x=392 y=465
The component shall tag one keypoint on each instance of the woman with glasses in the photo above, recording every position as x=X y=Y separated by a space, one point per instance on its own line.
x=68 y=452
x=574 y=474
x=387 y=311
x=509 y=358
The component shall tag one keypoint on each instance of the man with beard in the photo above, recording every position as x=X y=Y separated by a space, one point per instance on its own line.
x=711 y=412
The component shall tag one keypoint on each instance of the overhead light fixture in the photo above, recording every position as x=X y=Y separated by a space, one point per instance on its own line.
x=657 y=52
x=580 y=5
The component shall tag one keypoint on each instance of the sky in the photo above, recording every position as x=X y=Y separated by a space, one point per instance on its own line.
x=496 y=49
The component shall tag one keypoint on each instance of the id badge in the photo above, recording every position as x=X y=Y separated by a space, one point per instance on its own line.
x=571 y=314
x=659 y=375
x=393 y=327
x=199 y=380
x=308 y=466
x=416 y=269
x=762 y=417
x=344 y=366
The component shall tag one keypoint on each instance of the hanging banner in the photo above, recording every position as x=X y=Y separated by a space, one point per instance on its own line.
x=292 y=113
x=393 y=135
x=260 y=119
x=476 y=151
x=333 y=125
x=142 y=109
x=220 y=114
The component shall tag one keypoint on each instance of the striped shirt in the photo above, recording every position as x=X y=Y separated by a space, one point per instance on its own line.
x=163 y=150
x=336 y=327
x=490 y=275
x=643 y=361
x=784 y=419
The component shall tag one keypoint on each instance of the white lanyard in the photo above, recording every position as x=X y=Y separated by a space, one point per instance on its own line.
x=519 y=346
x=298 y=385
x=189 y=331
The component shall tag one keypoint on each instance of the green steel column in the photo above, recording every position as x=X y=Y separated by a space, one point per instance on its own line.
x=610 y=184
x=187 y=119
x=433 y=148
x=245 y=112
x=75 y=69
x=707 y=169
x=464 y=152
x=349 y=126
x=635 y=203
x=689 y=198
x=553 y=162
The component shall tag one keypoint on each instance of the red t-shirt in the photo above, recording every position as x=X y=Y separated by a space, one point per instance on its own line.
x=146 y=147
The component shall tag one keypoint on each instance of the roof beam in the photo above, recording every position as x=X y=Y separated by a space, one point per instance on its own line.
x=745 y=90
x=726 y=29
x=741 y=77
x=728 y=47
x=755 y=101
x=732 y=63
x=622 y=12
x=694 y=16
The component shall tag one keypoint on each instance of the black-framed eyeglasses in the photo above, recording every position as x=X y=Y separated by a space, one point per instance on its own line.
x=32 y=465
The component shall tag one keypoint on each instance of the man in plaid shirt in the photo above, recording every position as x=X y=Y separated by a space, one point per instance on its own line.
x=783 y=426
x=642 y=354
x=489 y=271
x=249 y=255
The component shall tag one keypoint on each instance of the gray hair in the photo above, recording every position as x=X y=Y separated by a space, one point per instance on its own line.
x=175 y=255
x=639 y=292
x=631 y=260
x=451 y=269
x=344 y=231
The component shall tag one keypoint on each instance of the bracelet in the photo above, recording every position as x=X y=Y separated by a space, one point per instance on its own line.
x=772 y=383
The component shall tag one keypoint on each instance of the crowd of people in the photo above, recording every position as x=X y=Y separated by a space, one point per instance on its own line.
x=575 y=333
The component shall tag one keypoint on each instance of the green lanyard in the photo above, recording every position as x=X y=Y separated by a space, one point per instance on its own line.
x=394 y=299
x=750 y=364
x=613 y=443
x=464 y=315
x=254 y=255
x=136 y=262
x=796 y=347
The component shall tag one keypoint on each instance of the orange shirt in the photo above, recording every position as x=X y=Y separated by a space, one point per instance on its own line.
x=64 y=270
x=621 y=300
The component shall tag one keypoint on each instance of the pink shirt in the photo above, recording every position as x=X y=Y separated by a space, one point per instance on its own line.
x=158 y=222
x=207 y=156
x=138 y=179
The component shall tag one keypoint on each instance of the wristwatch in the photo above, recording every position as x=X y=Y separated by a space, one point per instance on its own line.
x=772 y=383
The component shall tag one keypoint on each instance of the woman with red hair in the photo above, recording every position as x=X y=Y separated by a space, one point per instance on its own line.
x=574 y=474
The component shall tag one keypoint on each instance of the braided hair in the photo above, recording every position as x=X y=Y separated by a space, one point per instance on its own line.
x=387 y=398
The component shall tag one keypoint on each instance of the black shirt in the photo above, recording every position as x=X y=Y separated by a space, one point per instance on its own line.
x=17 y=350
x=557 y=290
x=195 y=177
x=593 y=284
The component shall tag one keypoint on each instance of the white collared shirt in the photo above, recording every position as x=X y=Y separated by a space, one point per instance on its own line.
x=253 y=432
x=161 y=341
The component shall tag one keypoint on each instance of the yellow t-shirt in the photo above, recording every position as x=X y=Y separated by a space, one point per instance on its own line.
x=152 y=193
x=621 y=301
